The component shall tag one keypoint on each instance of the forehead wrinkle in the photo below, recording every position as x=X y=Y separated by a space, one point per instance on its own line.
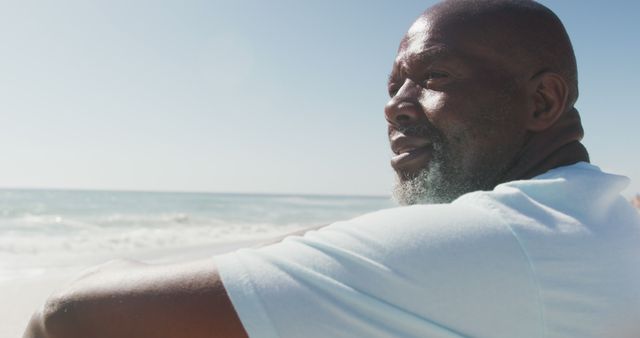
x=423 y=57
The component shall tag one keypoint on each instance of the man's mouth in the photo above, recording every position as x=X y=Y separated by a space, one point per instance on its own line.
x=411 y=153
x=412 y=160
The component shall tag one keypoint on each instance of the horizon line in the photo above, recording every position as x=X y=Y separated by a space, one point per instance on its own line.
x=274 y=194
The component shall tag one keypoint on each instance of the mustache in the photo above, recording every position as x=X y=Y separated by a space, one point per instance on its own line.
x=422 y=130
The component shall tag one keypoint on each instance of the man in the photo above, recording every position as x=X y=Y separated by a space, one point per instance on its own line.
x=523 y=238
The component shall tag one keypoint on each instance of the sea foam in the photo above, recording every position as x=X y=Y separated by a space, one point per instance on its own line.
x=42 y=230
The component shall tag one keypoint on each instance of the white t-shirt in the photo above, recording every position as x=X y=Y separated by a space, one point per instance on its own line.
x=554 y=256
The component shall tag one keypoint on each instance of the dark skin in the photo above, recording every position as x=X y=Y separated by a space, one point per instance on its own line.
x=127 y=299
x=454 y=87
x=500 y=114
x=442 y=76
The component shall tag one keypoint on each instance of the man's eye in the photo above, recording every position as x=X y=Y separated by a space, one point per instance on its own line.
x=434 y=79
x=436 y=75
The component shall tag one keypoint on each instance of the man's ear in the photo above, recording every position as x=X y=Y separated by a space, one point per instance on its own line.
x=550 y=94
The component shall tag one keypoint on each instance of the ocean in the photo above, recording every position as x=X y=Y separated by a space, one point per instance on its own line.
x=46 y=230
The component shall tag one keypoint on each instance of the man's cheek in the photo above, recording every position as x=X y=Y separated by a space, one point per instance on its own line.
x=434 y=104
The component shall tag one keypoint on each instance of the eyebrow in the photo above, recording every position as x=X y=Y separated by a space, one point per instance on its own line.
x=427 y=56
x=435 y=52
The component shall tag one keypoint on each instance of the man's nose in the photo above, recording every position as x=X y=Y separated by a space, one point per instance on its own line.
x=404 y=108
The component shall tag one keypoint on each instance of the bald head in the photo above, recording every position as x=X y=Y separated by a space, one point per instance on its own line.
x=528 y=35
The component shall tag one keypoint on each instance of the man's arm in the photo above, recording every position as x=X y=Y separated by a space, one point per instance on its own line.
x=124 y=299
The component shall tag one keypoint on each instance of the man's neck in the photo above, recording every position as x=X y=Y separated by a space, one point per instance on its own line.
x=555 y=147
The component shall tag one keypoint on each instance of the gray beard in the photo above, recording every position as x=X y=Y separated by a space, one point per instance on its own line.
x=430 y=186
x=442 y=181
x=450 y=176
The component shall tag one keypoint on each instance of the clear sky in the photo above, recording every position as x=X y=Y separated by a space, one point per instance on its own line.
x=248 y=95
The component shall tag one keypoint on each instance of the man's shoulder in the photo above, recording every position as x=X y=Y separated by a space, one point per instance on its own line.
x=394 y=263
x=463 y=213
x=581 y=191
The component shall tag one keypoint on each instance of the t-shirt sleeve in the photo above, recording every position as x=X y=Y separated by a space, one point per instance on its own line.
x=421 y=271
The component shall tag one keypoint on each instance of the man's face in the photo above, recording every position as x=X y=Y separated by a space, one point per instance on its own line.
x=455 y=115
